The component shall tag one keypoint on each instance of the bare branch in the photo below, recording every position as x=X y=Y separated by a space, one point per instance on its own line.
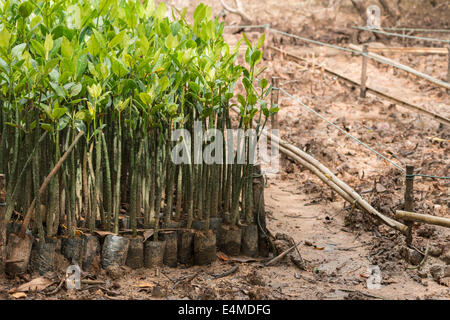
x=238 y=10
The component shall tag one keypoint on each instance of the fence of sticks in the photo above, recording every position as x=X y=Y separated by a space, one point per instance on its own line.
x=90 y=95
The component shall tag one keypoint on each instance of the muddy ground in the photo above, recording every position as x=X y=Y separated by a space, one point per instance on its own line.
x=338 y=243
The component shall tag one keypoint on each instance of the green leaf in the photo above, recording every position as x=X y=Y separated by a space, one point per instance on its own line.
x=4 y=65
x=199 y=13
x=251 y=98
x=18 y=50
x=48 y=44
x=195 y=87
x=241 y=100
x=83 y=115
x=50 y=65
x=260 y=43
x=93 y=46
x=66 y=48
x=92 y=70
x=274 y=109
x=59 y=92
x=171 y=41
x=81 y=65
x=12 y=124
x=38 y=48
x=63 y=122
x=163 y=83
x=81 y=127
x=256 y=57
x=247 y=84
x=118 y=67
x=58 y=113
x=161 y=11
x=77 y=16
x=5 y=36
x=75 y=89
x=47 y=127
x=99 y=38
x=146 y=98
x=246 y=40
x=25 y=9
x=173 y=109
x=116 y=40
x=150 y=8
x=263 y=83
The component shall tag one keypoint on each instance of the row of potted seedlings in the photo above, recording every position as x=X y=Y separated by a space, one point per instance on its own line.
x=91 y=98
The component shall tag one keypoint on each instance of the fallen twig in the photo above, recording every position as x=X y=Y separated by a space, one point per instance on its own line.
x=363 y=293
x=187 y=279
x=226 y=273
x=57 y=289
x=90 y=282
x=281 y=255
x=165 y=275
x=427 y=250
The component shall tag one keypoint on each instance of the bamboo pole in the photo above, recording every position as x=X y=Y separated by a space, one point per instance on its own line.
x=425 y=218
x=326 y=175
x=410 y=50
x=403 y=67
x=381 y=94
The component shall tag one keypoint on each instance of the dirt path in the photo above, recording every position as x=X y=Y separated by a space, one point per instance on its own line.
x=344 y=258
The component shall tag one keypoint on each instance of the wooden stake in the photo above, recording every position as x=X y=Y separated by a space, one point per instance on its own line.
x=2 y=223
x=354 y=40
x=448 y=68
x=274 y=100
x=355 y=37
x=266 y=52
x=409 y=199
x=362 y=92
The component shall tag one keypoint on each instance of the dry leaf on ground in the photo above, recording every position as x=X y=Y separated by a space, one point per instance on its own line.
x=37 y=284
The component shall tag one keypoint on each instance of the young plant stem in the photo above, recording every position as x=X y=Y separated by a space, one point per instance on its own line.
x=107 y=184
x=45 y=184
